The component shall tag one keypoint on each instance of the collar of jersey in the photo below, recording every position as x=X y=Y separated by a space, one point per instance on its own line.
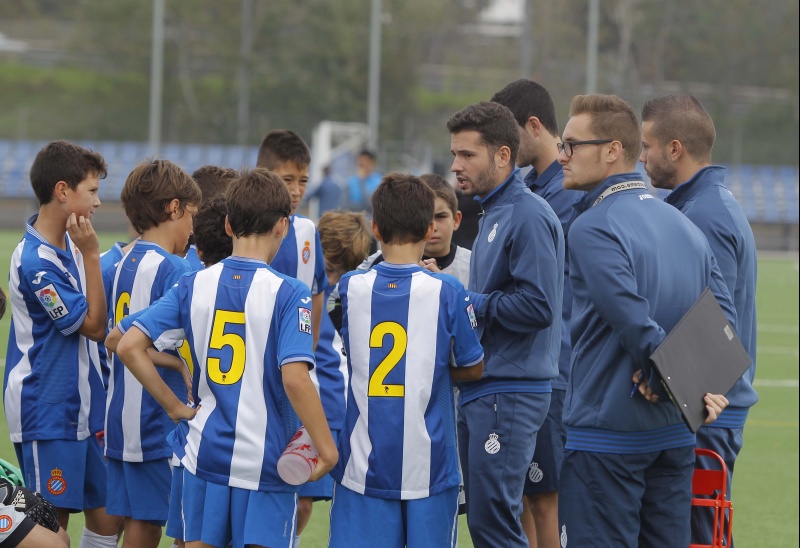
x=395 y=266
x=34 y=234
x=495 y=195
x=251 y=263
x=540 y=181
x=707 y=176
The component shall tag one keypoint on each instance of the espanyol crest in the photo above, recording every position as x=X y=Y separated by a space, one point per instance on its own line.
x=534 y=473
x=492 y=446
x=493 y=233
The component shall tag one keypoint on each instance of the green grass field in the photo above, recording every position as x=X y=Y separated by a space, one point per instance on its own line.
x=765 y=492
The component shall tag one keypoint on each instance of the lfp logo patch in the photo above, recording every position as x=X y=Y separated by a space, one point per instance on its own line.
x=52 y=302
x=56 y=485
x=473 y=321
x=304 y=320
x=306 y=252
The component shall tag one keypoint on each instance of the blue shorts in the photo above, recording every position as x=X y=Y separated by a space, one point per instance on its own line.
x=322 y=489
x=360 y=521
x=219 y=515
x=175 y=518
x=139 y=490
x=545 y=468
x=69 y=474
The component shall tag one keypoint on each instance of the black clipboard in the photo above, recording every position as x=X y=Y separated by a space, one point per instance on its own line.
x=702 y=354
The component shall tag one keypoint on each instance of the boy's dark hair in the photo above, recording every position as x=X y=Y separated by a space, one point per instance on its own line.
x=402 y=208
x=63 y=161
x=149 y=189
x=213 y=243
x=368 y=153
x=442 y=189
x=526 y=98
x=345 y=239
x=494 y=122
x=213 y=180
x=256 y=201
x=281 y=146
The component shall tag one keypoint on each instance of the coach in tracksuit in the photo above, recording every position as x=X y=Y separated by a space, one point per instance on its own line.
x=677 y=137
x=516 y=284
x=636 y=266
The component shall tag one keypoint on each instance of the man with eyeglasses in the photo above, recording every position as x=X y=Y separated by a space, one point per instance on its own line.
x=636 y=266
x=535 y=113
x=677 y=137
x=515 y=289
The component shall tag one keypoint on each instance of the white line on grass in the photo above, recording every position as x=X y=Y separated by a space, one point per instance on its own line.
x=778 y=328
x=777 y=383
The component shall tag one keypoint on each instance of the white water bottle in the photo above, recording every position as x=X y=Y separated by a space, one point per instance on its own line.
x=298 y=459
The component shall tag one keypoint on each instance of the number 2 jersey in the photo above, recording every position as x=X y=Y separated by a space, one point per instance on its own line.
x=243 y=321
x=402 y=328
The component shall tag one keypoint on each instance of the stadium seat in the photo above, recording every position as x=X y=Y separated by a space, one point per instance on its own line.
x=709 y=490
x=745 y=175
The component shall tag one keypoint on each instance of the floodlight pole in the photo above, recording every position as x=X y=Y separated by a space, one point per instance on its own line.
x=156 y=76
x=591 y=46
x=373 y=92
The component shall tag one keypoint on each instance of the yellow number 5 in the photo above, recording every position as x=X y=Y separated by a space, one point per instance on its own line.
x=399 y=343
x=219 y=340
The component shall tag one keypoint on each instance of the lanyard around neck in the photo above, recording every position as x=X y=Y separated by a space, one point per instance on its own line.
x=627 y=185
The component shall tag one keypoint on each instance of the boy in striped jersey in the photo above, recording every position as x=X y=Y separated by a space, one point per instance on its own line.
x=53 y=390
x=160 y=201
x=397 y=482
x=249 y=380
x=284 y=153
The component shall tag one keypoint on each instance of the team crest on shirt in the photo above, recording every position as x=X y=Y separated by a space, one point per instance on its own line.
x=534 y=473
x=473 y=321
x=493 y=233
x=6 y=523
x=304 y=320
x=306 y=252
x=52 y=302
x=56 y=485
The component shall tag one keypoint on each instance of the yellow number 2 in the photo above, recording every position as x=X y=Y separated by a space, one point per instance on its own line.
x=219 y=340
x=399 y=343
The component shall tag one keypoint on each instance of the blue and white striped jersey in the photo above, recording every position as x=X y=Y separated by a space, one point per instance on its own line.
x=136 y=425
x=53 y=385
x=402 y=326
x=300 y=255
x=243 y=322
x=330 y=375
x=194 y=259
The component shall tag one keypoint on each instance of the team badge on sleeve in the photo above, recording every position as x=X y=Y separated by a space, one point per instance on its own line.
x=473 y=321
x=52 y=302
x=304 y=320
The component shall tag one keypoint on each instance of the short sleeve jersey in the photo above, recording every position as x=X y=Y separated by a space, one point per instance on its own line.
x=136 y=425
x=401 y=328
x=243 y=322
x=53 y=385
x=300 y=255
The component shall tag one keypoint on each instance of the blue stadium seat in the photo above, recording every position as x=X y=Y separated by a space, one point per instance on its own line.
x=773 y=205
x=747 y=182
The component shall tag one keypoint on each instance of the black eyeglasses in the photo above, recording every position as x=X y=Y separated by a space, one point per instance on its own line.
x=567 y=146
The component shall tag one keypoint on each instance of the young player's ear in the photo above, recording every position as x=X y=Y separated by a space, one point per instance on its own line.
x=456 y=220
x=173 y=208
x=376 y=232
x=228 y=229
x=282 y=227
x=60 y=191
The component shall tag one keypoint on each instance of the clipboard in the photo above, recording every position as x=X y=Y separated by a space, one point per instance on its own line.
x=702 y=354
